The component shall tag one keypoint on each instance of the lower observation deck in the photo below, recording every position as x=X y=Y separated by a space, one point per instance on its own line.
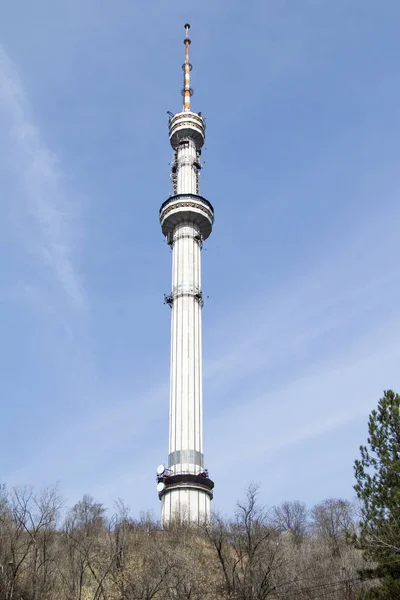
x=187 y=208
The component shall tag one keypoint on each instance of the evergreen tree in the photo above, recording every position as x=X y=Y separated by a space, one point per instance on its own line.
x=378 y=489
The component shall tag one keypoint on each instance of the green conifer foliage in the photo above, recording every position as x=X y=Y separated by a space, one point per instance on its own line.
x=378 y=488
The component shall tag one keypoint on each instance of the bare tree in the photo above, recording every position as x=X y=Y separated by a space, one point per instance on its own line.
x=333 y=520
x=148 y=562
x=293 y=518
x=90 y=557
x=249 y=551
x=28 y=542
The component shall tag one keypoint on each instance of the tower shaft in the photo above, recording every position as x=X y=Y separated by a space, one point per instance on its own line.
x=186 y=431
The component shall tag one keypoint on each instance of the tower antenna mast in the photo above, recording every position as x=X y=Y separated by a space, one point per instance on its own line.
x=187 y=91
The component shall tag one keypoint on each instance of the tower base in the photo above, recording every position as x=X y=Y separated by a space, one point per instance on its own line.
x=186 y=499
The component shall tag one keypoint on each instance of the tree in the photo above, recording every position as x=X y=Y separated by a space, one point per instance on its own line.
x=332 y=520
x=249 y=552
x=89 y=558
x=28 y=543
x=378 y=490
x=292 y=517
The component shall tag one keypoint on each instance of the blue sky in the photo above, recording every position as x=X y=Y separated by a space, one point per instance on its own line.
x=302 y=322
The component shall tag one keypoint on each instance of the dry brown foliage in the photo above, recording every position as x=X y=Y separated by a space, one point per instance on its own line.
x=288 y=552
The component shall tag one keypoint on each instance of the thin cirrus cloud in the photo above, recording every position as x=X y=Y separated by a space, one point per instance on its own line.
x=352 y=286
x=45 y=210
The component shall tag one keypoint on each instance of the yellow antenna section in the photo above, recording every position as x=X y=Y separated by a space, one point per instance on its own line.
x=187 y=67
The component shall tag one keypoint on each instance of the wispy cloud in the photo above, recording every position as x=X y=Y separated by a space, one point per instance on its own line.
x=319 y=313
x=46 y=207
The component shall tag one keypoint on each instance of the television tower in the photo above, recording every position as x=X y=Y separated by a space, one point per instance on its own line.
x=186 y=218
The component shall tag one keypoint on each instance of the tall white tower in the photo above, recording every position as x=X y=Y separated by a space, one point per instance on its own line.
x=186 y=220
